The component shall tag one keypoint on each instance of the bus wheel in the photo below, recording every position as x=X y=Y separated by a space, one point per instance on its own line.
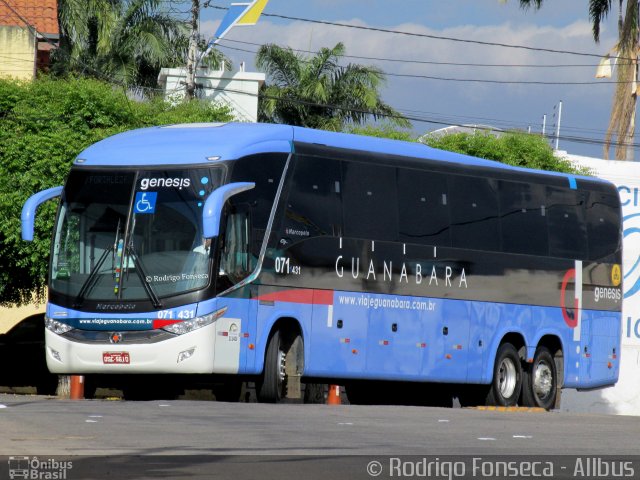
x=271 y=386
x=507 y=377
x=540 y=381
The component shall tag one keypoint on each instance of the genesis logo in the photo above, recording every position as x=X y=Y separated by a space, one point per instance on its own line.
x=117 y=307
x=178 y=183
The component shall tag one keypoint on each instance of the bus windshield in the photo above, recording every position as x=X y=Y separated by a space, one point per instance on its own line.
x=132 y=235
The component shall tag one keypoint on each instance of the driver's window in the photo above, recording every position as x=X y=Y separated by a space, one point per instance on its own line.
x=235 y=259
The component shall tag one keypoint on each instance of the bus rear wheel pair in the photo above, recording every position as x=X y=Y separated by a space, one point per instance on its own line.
x=533 y=385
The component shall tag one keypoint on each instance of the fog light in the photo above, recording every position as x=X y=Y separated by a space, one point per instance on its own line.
x=186 y=354
x=55 y=354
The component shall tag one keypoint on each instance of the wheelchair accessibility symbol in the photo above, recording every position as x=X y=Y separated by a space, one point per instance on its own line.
x=145 y=202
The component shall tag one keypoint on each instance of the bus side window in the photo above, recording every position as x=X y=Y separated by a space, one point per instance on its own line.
x=423 y=208
x=370 y=201
x=235 y=257
x=313 y=207
x=603 y=222
x=523 y=218
x=474 y=213
x=567 y=228
x=265 y=170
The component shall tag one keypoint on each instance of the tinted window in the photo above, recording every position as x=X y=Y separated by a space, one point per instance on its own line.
x=313 y=206
x=474 y=213
x=423 y=208
x=370 y=201
x=603 y=225
x=523 y=218
x=567 y=230
x=265 y=170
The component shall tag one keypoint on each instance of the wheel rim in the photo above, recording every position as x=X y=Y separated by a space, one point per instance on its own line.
x=282 y=365
x=543 y=380
x=507 y=378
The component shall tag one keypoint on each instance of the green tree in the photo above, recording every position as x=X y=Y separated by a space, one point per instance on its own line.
x=45 y=124
x=317 y=92
x=126 y=41
x=513 y=148
x=623 y=109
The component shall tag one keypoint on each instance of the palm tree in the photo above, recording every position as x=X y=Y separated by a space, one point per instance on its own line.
x=126 y=41
x=317 y=92
x=623 y=110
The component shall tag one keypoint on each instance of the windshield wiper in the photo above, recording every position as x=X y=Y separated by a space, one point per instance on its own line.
x=142 y=275
x=89 y=283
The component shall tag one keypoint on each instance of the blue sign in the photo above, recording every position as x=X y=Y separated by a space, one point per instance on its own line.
x=145 y=202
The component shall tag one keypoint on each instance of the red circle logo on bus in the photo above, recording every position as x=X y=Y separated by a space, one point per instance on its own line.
x=570 y=314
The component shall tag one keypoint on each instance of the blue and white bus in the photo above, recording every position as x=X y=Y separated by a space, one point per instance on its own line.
x=282 y=254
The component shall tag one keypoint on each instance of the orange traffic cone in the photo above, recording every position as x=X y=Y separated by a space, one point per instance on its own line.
x=77 y=387
x=333 y=397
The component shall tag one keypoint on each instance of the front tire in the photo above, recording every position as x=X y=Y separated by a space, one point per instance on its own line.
x=540 y=381
x=271 y=387
x=506 y=384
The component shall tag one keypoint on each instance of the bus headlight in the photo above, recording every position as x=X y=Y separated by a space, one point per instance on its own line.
x=56 y=327
x=190 y=325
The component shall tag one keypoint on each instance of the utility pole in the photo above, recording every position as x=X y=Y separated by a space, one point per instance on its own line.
x=558 y=125
x=192 y=55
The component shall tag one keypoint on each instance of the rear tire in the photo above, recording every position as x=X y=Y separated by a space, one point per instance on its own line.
x=271 y=387
x=506 y=384
x=540 y=381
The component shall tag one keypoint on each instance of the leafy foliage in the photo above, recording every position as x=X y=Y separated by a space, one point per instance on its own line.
x=45 y=124
x=124 y=41
x=513 y=148
x=317 y=92
x=623 y=109
x=383 y=131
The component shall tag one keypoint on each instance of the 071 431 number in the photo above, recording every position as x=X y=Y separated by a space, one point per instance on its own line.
x=283 y=266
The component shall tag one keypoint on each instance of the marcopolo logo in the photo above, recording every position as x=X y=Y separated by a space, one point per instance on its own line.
x=178 y=183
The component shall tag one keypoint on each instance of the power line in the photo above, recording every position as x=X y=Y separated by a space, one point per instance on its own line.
x=426 y=35
x=428 y=62
x=471 y=80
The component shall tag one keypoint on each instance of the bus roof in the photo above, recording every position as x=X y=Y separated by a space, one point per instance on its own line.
x=204 y=143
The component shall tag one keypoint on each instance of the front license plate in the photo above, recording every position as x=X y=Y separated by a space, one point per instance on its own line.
x=111 y=358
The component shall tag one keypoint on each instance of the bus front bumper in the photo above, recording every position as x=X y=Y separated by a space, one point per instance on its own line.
x=199 y=351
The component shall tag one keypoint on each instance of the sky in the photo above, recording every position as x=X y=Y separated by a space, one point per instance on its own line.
x=453 y=94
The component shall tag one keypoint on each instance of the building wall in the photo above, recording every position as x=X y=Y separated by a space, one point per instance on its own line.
x=17 y=53
x=238 y=90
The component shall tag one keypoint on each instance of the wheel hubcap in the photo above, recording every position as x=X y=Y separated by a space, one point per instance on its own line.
x=507 y=378
x=543 y=380
x=282 y=365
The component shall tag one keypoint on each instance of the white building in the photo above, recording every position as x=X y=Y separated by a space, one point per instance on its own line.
x=239 y=90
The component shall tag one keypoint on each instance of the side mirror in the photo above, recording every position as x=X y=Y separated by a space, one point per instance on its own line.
x=212 y=212
x=29 y=210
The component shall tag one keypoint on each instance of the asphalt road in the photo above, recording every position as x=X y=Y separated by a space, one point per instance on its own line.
x=179 y=438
